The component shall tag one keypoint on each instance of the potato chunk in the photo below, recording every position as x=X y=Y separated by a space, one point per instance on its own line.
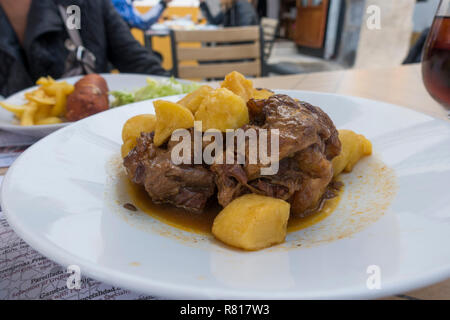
x=170 y=117
x=262 y=94
x=127 y=146
x=132 y=129
x=222 y=109
x=237 y=83
x=137 y=124
x=354 y=147
x=252 y=222
x=193 y=100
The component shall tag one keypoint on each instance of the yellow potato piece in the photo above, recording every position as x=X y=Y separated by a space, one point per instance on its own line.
x=132 y=130
x=252 y=222
x=237 y=83
x=170 y=117
x=193 y=100
x=221 y=109
x=354 y=147
x=127 y=146
x=134 y=126
x=261 y=94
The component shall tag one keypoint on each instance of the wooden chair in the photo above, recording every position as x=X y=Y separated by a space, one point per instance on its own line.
x=221 y=51
x=270 y=30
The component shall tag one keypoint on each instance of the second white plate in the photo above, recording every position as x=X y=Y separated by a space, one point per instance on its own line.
x=121 y=81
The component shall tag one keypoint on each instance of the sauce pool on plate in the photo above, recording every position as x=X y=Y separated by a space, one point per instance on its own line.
x=202 y=223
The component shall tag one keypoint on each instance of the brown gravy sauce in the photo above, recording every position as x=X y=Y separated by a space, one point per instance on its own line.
x=202 y=223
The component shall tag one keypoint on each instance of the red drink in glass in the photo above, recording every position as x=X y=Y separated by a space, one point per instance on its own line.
x=436 y=59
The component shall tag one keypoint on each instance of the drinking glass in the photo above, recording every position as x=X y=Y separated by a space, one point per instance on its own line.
x=436 y=58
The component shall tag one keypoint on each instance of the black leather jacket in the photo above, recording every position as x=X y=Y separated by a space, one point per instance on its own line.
x=43 y=53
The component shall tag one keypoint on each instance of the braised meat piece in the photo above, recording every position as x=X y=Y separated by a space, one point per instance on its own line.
x=308 y=141
x=300 y=123
x=317 y=173
x=233 y=181
x=230 y=180
x=184 y=186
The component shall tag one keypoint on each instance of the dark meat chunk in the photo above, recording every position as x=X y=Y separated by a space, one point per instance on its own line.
x=317 y=174
x=308 y=140
x=233 y=181
x=301 y=124
x=184 y=186
x=230 y=179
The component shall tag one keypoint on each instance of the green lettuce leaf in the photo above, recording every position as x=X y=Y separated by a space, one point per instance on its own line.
x=153 y=89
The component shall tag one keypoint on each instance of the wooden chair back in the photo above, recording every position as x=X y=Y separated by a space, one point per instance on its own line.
x=221 y=51
x=270 y=30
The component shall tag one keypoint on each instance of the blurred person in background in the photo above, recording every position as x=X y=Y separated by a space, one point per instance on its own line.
x=134 y=18
x=35 y=42
x=234 y=13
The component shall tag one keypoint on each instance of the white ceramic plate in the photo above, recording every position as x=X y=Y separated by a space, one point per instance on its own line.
x=122 y=81
x=64 y=197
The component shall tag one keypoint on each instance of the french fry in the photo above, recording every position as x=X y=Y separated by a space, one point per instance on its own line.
x=60 y=106
x=52 y=87
x=28 y=114
x=49 y=120
x=45 y=105
x=42 y=81
x=17 y=110
x=40 y=97
x=42 y=113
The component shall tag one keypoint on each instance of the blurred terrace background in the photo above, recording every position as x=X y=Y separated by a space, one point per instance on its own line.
x=314 y=35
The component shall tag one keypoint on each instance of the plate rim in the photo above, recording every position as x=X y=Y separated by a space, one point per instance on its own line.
x=167 y=290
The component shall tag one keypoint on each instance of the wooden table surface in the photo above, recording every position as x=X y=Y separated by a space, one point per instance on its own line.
x=401 y=85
